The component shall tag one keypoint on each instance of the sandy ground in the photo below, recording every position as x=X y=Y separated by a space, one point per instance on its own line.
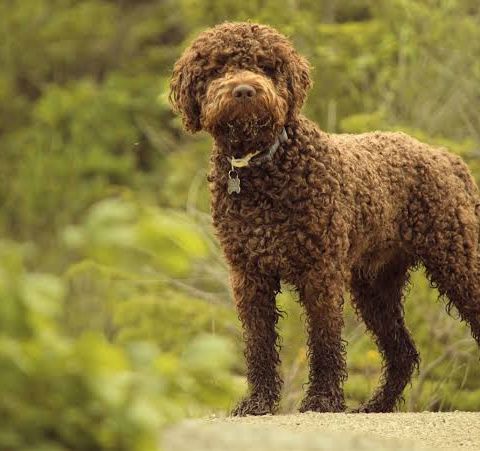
x=329 y=431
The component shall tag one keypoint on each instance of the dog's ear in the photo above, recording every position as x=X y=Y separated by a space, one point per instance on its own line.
x=298 y=82
x=183 y=92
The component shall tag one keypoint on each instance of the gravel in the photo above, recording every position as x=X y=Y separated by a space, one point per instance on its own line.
x=328 y=431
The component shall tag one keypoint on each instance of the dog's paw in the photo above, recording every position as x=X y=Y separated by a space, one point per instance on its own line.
x=374 y=407
x=322 y=404
x=253 y=405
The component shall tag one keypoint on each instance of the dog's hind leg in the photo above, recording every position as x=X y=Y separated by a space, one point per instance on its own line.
x=378 y=300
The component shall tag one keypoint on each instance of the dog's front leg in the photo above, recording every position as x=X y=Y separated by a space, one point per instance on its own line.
x=322 y=298
x=255 y=300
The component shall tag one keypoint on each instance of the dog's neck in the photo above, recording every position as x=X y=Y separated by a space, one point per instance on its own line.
x=259 y=156
x=238 y=148
x=230 y=174
x=220 y=163
x=249 y=153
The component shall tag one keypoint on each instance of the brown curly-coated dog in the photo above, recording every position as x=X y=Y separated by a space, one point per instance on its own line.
x=323 y=212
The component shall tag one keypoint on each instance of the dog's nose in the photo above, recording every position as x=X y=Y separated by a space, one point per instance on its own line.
x=243 y=92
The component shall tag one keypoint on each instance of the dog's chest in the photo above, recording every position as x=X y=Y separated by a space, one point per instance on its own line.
x=267 y=235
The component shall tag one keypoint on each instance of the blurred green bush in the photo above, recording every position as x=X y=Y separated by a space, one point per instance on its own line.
x=60 y=393
x=102 y=306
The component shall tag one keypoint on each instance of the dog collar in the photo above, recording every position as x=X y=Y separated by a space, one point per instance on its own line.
x=245 y=161
x=233 y=180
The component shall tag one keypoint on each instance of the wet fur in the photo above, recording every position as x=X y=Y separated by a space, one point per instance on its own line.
x=330 y=213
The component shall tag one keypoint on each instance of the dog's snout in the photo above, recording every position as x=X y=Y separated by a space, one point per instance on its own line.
x=243 y=91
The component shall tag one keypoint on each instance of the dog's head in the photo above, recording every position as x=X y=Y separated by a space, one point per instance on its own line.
x=240 y=82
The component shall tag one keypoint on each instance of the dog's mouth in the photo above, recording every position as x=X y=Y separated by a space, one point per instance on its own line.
x=244 y=133
x=247 y=128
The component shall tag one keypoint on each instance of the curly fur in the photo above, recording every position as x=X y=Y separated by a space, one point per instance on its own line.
x=328 y=213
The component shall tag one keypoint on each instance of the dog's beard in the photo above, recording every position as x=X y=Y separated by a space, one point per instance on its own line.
x=244 y=130
x=244 y=134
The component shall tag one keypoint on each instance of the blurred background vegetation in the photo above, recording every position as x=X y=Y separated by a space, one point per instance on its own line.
x=115 y=312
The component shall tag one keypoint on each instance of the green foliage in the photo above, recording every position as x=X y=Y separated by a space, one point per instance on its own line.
x=139 y=318
x=103 y=309
x=87 y=393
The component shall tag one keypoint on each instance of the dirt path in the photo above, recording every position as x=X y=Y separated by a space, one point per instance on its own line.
x=312 y=431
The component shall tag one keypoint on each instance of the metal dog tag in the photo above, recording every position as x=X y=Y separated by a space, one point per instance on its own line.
x=233 y=182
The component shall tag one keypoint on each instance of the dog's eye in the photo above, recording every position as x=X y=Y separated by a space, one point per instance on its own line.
x=269 y=71
x=217 y=71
